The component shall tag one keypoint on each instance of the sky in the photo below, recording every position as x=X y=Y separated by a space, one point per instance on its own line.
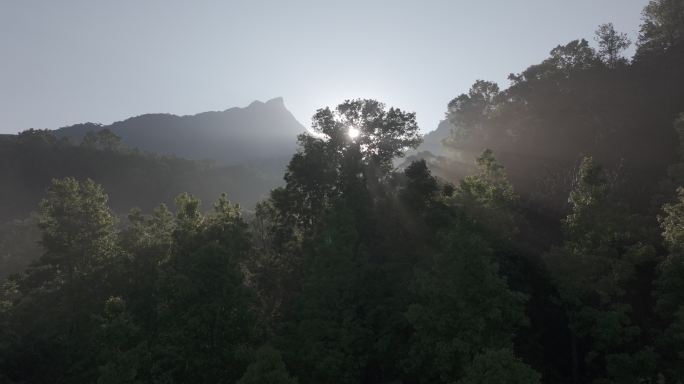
x=72 y=61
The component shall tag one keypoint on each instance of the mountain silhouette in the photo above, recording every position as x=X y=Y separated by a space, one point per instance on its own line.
x=262 y=130
x=433 y=140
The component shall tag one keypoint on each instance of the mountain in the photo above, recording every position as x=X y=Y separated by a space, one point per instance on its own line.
x=433 y=140
x=237 y=135
x=162 y=156
x=444 y=162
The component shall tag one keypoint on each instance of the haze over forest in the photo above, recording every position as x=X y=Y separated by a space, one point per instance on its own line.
x=533 y=233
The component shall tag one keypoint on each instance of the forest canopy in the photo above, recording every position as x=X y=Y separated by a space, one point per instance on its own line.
x=559 y=258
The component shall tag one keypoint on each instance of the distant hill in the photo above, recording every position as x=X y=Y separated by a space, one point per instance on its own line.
x=443 y=161
x=162 y=155
x=432 y=141
x=237 y=135
x=30 y=160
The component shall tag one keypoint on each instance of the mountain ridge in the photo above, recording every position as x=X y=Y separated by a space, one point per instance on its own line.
x=235 y=135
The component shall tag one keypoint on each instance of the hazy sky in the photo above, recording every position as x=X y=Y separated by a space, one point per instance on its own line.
x=65 y=62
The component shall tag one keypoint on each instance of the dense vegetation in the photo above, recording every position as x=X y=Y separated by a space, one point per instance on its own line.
x=31 y=159
x=357 y=272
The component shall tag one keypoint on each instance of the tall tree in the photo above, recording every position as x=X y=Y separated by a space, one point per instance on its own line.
x=77 y=227
x=488 y=197
x=468 y=112
x=124 y=352
x=334 y=207
x=68 y=284
x=611 y=44
x=595 y=269
x=206 y=312
x=353 y=147
x=147 y=241
x=462 y=309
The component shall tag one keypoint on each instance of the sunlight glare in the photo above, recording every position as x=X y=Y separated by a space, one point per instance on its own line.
x=353 y=133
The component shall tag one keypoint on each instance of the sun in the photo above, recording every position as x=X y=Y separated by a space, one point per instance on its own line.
x=353 y=132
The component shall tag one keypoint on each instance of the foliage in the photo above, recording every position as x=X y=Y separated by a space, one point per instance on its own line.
x=663 y=26
x=670 y=288
x=462 y=308
x=103 y=139
x=499 y=366
x=611 y=44
x=358 y=272
x=32 y=159
x=267 y=368
x=594 y=269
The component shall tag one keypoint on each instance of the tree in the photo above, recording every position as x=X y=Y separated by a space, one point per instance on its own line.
x=467 y=112
x=8 y=334
x=564 y=61
x=332 y=163
x=103 y=139
x=332 y=218
x=670 y=289
x=326 y=330
x=449 y=287
x=488 y=197
x=499 y=366
x=663 y=26
x=383 y=134
x=421 y=186
x=77 y=227
x=275 y=261
x=60 y=293
x=206 y=317
x=462 y=309
x=108 y=140
x=37 y=136
x=675 y=171
x=123 y=351
x=90 y=140
x=594 y=269
x=574 y=56
x=147 y=241
x=611 y=44
x=267 y=368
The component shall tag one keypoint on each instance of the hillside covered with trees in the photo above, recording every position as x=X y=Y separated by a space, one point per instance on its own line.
x=557 y=258
x=31 y=159
x=133 y=179
x=260 y=131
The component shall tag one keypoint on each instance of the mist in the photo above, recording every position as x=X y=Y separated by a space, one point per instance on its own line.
x=395 y=192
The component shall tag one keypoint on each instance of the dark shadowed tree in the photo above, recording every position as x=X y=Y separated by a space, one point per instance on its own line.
x=488 y=197
x=662 y=27
x=670 y=290
x=60 y=293
x=467 y=112
x=499 y=366
x=123 y=350
x=462 y=309
x=267 y=368
x=595 y=268
x=353 y=147
x=205 y=311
